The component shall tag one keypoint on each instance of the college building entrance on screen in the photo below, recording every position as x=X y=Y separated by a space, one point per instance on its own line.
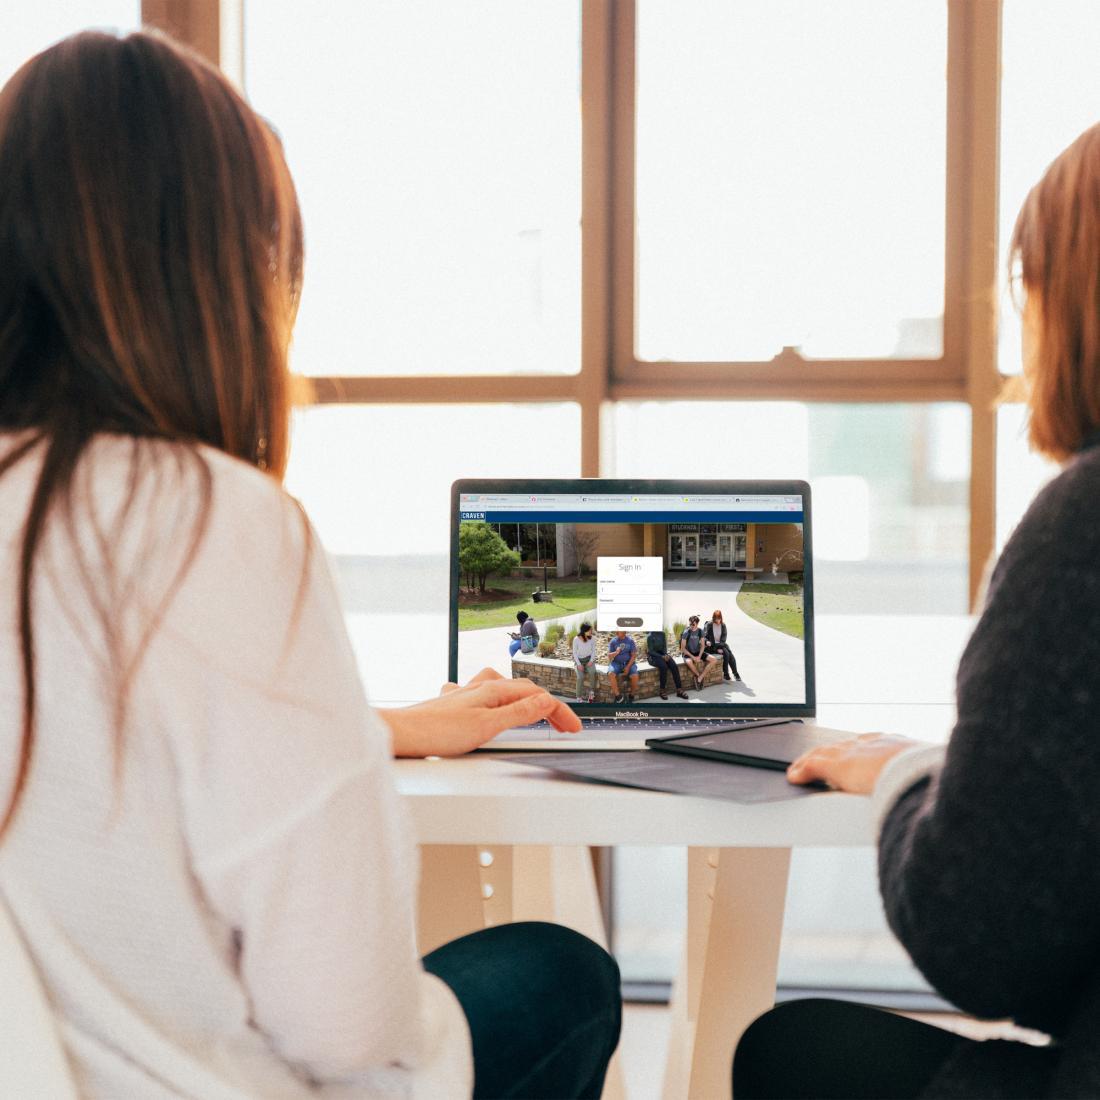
x=692 y=546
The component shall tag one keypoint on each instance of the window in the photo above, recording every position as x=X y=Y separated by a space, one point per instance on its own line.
x=781 y=200
x=376 y=481
x=1050 y=93
x=436 y=149
x=37 y=26
x=890 y=487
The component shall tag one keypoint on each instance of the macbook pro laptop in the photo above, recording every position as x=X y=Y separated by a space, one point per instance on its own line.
x=637 y=561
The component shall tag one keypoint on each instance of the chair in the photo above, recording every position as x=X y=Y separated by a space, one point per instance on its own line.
x=32 y=1060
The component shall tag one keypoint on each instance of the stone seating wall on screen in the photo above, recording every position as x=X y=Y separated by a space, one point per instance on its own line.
x=559 y=678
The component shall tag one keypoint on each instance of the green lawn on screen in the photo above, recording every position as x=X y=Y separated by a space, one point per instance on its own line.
x=570 y=596
x=776 y=605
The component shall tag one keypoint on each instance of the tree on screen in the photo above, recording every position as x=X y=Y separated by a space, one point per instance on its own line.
x=482 y=552
x=579 y=547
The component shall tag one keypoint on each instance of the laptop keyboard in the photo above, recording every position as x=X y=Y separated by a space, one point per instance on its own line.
x=658 y=725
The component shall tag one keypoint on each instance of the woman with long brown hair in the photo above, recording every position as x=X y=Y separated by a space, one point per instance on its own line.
x=716 y=648
x=989 y=849
x=200 y=840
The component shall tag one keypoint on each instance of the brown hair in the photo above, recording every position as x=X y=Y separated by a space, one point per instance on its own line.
x=715 y=615
x=152 y=257
x=1055 y=251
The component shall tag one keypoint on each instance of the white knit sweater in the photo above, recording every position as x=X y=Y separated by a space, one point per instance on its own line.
x=230 y=912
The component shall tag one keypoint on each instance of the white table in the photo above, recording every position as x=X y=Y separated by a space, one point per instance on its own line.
x=505 y=842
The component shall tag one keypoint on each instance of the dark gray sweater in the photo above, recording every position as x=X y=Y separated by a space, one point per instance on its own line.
x=990 y=870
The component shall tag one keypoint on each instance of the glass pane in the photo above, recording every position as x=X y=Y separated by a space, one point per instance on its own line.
x=376 y=482
x=780 y=201
x=26 y=28
x=436 y=149
x=890 y=486
x=1050 y=91
x=890 y=511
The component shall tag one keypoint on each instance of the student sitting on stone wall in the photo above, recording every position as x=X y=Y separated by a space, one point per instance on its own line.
x=691 y=649
x=663 y=661
x=584 y=662
x=526 y=639
x=621 y=651
x=714 y=635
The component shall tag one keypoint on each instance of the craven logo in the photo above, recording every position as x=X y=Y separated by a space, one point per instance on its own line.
x=632 y=714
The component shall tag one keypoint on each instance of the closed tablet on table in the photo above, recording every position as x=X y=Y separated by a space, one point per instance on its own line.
x=772 y=746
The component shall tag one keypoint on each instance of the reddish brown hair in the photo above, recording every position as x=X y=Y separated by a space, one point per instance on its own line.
x=1055 y=251
x=152 y=256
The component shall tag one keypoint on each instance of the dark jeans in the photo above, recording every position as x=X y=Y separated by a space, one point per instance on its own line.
x=729 y=661
x=543 y=1004
x=833 y=1049
x=664 y=664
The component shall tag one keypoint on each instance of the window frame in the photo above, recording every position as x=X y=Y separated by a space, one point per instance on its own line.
x=610 y=370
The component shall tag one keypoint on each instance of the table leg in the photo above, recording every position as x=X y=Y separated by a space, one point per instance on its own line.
x=450 y=902
x=736 y=898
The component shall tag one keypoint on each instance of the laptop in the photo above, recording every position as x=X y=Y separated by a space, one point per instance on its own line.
x=645 y=566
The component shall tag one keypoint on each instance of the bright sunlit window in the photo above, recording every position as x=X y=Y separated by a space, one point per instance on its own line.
x=436 y=149
x=790 y=179
x=891 y=486
x=40 y=25
x=1050 y=92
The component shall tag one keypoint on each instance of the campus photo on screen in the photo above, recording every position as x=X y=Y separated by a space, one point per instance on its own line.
x=629 y=599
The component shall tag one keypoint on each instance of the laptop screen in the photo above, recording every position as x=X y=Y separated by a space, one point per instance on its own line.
x=658 y=601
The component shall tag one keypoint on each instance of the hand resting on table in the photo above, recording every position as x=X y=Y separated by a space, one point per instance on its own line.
x=853 y=765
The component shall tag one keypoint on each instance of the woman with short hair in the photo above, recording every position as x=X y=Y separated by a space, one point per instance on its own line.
x=692 y=651
x=201 y=842
x=989 y=848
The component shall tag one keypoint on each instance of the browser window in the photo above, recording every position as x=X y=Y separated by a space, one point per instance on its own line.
x=613 y=597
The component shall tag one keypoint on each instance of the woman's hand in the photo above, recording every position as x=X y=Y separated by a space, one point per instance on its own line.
x=463 y=718
x=853 y=765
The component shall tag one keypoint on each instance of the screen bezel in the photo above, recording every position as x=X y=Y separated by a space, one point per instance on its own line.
x=640 y=487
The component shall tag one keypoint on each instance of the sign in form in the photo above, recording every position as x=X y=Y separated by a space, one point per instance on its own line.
x=629 y=594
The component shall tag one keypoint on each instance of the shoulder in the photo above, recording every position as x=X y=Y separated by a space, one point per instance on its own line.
x=243 y=498
x=219 y=546
x=170 y=479
x=1061 y=528
x=1043 y=596
x=1069 y=499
